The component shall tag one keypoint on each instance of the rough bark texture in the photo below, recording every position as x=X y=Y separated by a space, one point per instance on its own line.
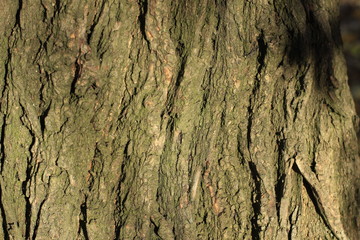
x=206 y=119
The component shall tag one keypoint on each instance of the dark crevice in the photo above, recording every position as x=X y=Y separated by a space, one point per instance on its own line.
x=223 y=112
x=315 y=147
x=314 y=196
x=7 y=71
x=3 y=216
x=117 y=232
x=249 y=124
x=142 y=19
x=206 y=90
x=293 y=218
x=18 y=16
x=29 y=169
x=37 y=222
x=313 y=166
x=90 y=32
x=43 y=83
x=156 y=228
x=300 y=88
x=44 y=12
x=42 y=117
x=25 y=184
x=78 y=71
x=3 y=104
x=174 y=231
x=239 y=148
x=27 y=202
x=279 y=186
x=279 y=191
x=315 y=199
x=284 y=106
x=256 y=202
x=83 y=220
x=290 y=232
x=181 y=72
x=262 y=51
x=2 y=143
x=100 y=48
x=57 y=6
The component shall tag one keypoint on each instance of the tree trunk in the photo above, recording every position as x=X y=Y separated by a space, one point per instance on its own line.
x=176 y=120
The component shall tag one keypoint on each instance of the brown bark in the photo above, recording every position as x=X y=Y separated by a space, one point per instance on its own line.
x=176 y=119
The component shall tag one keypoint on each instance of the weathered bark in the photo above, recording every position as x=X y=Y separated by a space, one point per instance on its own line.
x=176 y=119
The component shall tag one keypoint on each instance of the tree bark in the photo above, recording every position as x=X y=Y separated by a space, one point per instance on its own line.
x=176 y=120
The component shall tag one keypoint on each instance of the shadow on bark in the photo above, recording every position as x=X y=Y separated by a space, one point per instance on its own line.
x=317 y=44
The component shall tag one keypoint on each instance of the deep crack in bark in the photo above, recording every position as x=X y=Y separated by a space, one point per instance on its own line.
x=37 y=222
x=279 y=186
x=4 y=218
x=142 y=19
x=83 y=220
x=77 y=75
x=42 y=117
x=256 y=202
x=17 y=16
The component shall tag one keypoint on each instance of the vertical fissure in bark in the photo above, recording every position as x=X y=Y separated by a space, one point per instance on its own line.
x=239 y=146
x=27 y=204
x=290 y=232
x=83 y=220
x=57 y=10
x=143 y=4
x=18 y=16
x=313 y=195
x=117 y=229
x=57 y=6
x=38 y=216
x=316 y=142
x=293 y=218
x=262 y=51
x=95 y=21
x=206 y=89
x=262 y=48
x=77 y=75
x=256 y=202
x=44 y=11
x=315 y=199
x=3 y=216
x=2 y=144
x=284 y=108
x=280 y=184
x=7 y=72
x=42 y=117
x=24 y=187
x=3 y=102
x=301 y=85
x=28 y=175
x=156 y=228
